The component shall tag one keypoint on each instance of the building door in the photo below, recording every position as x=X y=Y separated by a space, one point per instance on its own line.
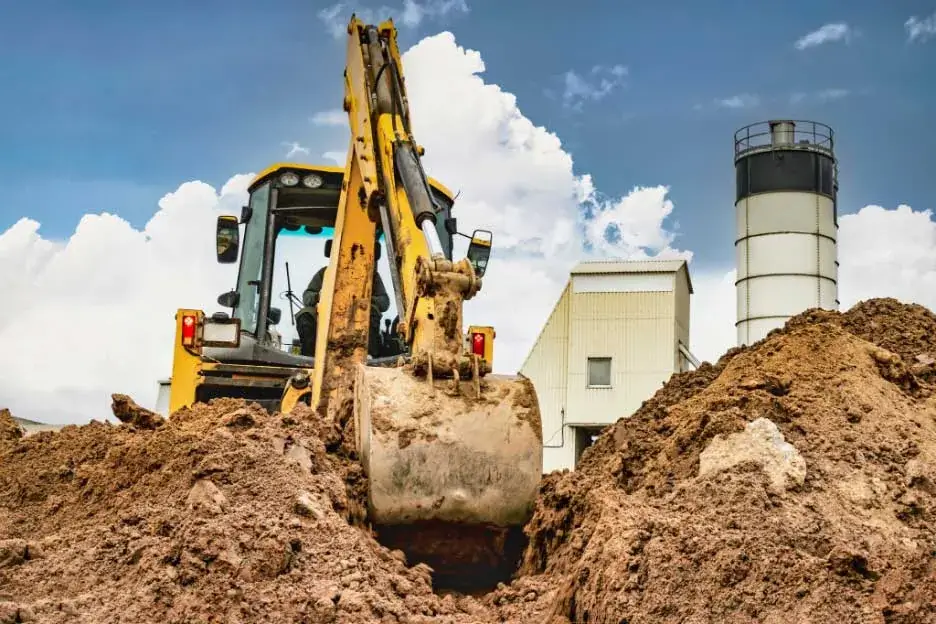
x=584 y=436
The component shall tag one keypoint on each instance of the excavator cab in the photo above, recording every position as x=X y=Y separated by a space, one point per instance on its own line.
x=289 y=224
x=285 y=233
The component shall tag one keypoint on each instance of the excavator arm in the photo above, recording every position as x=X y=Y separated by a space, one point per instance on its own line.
x=385 y=183
x=452 y=465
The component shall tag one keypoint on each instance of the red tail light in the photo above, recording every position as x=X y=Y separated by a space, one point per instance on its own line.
x=477 y=344
x=188 y=330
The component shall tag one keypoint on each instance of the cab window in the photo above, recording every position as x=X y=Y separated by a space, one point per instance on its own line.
x=248 y=279
x=444 y=204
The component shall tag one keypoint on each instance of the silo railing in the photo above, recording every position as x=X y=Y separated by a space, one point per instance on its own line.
x=809 y=135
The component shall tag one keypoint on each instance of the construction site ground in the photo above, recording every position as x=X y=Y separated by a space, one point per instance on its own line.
x=792 y=481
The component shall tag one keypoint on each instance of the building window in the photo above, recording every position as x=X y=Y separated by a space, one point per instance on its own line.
x=599 y=372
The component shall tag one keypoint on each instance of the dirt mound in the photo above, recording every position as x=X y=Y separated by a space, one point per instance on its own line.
x=10 y=431
x=791 y=481
x=794 y=480
x=224 y=513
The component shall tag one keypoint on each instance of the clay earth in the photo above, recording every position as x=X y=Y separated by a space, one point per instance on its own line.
x=794 y=480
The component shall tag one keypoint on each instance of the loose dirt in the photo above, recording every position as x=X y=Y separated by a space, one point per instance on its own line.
x=791 y=481
x=637 y=535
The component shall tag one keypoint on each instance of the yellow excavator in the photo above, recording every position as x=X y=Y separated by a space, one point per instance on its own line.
x=451 y=451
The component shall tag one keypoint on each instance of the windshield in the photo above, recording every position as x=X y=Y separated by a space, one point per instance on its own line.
x=248 y=278
x=304 y=252
x=445 y=211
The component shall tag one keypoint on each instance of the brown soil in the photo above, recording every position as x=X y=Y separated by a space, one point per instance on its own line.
x=9 y=430
x=635 y=535
x=224 y=513
x=127 y=411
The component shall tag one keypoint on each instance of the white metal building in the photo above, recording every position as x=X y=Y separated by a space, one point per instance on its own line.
x=31 y=426
x=618 y=332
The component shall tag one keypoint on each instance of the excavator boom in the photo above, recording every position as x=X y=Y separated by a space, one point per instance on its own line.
x=453 y=456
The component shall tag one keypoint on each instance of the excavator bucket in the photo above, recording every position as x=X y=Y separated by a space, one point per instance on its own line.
x=453 y=468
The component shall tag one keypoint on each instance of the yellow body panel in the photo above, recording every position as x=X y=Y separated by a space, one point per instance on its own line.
x=186 y=364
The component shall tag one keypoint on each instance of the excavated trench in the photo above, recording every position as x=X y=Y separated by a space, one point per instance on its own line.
x=465 y=559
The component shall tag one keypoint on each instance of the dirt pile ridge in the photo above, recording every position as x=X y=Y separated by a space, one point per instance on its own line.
x=223 y=513
x=791 y=481
x=638 y=535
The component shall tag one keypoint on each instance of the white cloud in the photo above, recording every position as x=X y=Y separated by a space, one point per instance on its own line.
x=832 y=94
x=514 y=178
x=104 y=302
x=415 y=12
x=828 y=33
x=594 y=86
x=333 y=117
x=824 y=95
x=106 y=296
x=742 y=100
x=339 y=158
x=882 y=253
x=412 y=14
x=888 y=253
x=712 y=313
x=920 y=29
x=629 y=225
x=295 y=149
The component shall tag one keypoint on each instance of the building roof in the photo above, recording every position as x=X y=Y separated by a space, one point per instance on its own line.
x=31 y=426
x=632 y=266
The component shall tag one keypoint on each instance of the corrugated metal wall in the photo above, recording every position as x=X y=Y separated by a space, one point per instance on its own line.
x=637 y=332
x=546 y=368
x=682 y=318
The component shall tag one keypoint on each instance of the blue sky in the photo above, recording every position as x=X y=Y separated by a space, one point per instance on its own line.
x=110 y=105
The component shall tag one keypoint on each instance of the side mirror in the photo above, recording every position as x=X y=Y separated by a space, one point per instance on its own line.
x=275 y=316
x=229 y=299
x=451 y=226
x=479 y=250
x=246 y=212
x=228 y=239
x=328 y=246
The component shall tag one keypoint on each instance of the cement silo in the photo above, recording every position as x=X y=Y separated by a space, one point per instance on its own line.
x=787 y=224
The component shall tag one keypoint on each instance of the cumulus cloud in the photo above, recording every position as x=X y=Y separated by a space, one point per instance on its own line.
x=412 y=14
x=593 y=86
x=339 y=158
x=888 y=252
x=628 y=226
x=829 y=33
x=920 y=29
x=882 y=253
x=103 y=302
x=105 y=297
